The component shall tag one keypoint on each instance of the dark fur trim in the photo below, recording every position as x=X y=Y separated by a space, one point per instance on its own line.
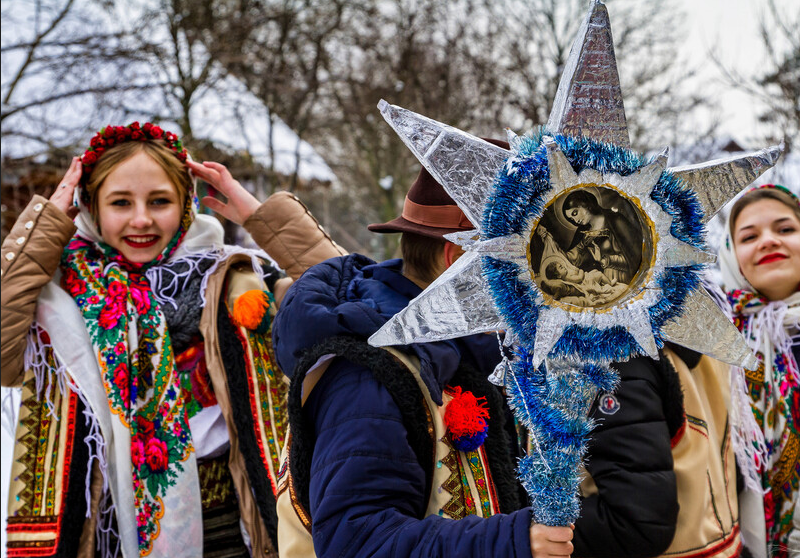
x=498 y=443
x=233 y=356
x=74 y=511
x=673 y=394
x=688 y=356
x=391 y=373
x=271 y=275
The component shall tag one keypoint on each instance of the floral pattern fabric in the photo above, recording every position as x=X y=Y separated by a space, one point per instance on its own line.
x=774 y=392
x=132 y=344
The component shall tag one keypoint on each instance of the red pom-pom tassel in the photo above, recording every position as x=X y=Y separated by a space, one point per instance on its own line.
x=466 y=415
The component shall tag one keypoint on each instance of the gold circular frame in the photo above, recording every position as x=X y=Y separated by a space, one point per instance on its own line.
x=642 y=276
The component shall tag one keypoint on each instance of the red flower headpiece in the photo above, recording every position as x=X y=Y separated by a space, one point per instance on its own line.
x=113 y=135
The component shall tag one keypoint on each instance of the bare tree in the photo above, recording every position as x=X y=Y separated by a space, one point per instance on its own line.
x=777 y=85
x=321 y=66
x=56 y=66
x=646 y=42
x=780 y=32
x=482 y=66
x=428 y=56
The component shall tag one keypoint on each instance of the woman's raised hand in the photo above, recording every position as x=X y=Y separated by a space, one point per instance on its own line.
x=62 y=197
x=240 y=203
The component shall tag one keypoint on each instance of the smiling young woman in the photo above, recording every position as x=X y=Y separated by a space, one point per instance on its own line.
x=760 y=263
x=138 y=208
x=139 y=317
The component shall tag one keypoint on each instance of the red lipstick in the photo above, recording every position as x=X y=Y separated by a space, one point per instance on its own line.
x=134 y=244
x=769 y=258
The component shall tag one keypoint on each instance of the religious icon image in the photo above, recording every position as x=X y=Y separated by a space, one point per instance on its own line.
x=587 y=249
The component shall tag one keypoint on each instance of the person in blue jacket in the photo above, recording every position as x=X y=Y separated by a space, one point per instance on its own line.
x=374 y=465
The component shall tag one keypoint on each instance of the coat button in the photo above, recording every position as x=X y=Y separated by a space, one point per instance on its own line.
x=10 y=256
x=29 y=225
x=38 y=207
x=21 y=240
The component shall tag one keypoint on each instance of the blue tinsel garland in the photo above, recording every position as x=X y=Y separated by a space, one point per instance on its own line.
x=553 y=404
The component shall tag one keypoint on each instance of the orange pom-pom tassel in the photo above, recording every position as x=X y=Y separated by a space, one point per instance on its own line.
x=251 y=310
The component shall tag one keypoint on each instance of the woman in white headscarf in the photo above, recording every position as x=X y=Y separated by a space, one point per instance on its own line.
x=760 y=263
x=139 y=317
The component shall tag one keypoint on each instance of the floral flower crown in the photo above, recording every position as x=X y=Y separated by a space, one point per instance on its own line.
x=113 y=135
x=780 y=187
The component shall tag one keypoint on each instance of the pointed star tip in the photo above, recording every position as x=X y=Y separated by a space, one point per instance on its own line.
x=751 y=362
x=662 y=158
x=776 y=151
x=511 y=137
x=373 y=341
x=383 y=105
x=383 y=338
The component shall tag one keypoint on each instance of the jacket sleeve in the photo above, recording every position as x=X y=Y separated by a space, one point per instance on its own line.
x=30 y=256
x=635 y=508
x=290 y=234
x=367 y=490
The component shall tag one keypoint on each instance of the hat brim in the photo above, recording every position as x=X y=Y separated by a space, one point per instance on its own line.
x=402 y=225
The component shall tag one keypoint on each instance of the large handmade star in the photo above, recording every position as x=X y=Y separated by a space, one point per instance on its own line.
x=588 y=121
x=584 y=252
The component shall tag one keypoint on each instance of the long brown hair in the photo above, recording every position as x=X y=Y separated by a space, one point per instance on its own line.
x=176 y=170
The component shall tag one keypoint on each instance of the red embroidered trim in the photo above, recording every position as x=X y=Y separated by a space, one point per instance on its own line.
x=29 y=527
x=73 y=408
x=269 y=385
x=45 y=548
x=679 y=434
x=29 y=551
x=489 y=481
x=254 y=410
x=721 y=546
x=700 y=430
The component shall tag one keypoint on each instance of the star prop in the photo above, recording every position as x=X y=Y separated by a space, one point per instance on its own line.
x=584 y=252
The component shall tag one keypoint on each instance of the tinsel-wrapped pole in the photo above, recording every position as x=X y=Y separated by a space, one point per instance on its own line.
x=553 y=403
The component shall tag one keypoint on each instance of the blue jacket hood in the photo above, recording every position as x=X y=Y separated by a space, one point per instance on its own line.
x=353 y=295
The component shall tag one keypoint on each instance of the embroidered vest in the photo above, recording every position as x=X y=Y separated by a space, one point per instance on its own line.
x=708 y=520
x=461 y=483
x=47 y=491
x=47 y=505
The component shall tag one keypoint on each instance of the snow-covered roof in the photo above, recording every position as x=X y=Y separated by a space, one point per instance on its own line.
x=234 y=118
x=223 y=110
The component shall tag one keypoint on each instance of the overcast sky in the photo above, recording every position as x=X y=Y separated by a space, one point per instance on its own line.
x=731 y=29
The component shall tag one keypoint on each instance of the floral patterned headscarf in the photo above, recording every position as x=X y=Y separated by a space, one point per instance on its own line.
x=132 y=345
x=769 y=449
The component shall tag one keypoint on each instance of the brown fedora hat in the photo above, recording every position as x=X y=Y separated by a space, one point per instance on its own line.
x=428 y=209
